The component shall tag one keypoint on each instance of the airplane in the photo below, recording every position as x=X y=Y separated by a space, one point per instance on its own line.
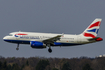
x=43 y=40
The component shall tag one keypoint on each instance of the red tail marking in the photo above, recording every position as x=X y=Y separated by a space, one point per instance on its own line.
x=89 y=35
x=95 y=24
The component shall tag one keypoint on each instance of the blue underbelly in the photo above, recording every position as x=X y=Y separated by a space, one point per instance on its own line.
x=28 y=42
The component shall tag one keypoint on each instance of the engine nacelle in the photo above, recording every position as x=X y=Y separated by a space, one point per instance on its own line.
x=36 y=44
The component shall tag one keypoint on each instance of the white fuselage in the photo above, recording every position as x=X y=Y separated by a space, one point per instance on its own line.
x=65 y=40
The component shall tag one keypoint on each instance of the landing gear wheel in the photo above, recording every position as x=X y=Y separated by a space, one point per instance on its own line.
x=17 y=49
x=50 y=50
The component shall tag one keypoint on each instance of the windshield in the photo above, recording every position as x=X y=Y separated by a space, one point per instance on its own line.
x=10 y=35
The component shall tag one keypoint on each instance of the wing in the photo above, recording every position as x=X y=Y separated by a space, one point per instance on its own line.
x=52 y=40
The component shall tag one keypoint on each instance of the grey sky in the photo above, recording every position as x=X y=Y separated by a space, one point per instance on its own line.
x=54 y=16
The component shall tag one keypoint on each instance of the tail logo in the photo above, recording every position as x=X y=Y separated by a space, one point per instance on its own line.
x=92 y=30
x=95 y=24
x=89 y=35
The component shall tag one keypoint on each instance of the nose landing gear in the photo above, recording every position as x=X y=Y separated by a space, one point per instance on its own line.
x=17 y=47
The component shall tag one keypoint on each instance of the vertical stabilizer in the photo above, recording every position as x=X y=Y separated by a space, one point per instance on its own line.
x=93 y=28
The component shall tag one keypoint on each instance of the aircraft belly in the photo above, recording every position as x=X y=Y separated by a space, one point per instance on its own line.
x=64 y=44
x=18 y=41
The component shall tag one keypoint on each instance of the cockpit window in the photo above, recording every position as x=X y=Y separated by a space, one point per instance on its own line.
x=10 y=35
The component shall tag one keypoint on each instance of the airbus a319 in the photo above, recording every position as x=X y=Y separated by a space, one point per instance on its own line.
x=43 y=40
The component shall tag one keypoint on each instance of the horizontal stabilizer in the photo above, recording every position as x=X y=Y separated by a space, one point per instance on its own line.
x=96 y=39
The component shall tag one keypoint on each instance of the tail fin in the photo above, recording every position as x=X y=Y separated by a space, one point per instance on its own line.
x=93 y=28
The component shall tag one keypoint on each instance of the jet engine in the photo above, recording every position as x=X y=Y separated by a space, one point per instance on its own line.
x=36 y=44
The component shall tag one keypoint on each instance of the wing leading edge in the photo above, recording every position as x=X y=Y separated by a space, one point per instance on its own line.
x=52 y=40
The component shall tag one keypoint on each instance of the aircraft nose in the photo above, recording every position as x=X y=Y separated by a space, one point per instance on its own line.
x=4 y=38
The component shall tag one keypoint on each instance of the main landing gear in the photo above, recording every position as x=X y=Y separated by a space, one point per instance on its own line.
x=49 y=50
x=17 y=47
